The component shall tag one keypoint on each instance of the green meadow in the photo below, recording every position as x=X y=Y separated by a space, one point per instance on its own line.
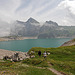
x=19 y=68
x=61 y=59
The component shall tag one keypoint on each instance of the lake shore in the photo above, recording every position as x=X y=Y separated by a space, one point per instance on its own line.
x=23 y=38
x=15 y=38
x=10 y=53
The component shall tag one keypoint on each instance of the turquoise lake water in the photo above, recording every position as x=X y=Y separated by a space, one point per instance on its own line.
x=25 y=45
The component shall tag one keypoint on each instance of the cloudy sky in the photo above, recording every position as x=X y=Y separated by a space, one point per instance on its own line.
x=60 y=11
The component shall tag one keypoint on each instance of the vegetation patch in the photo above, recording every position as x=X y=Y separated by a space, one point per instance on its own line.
x=61 y=58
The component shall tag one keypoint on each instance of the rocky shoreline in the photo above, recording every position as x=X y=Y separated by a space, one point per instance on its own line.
x=22 y=38
x=69 y=43
x=16 y=38
x=21 y=55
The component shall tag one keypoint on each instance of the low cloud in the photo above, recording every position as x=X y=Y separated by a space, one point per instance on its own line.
x=4 y=28
x=60 y=11
x=40 y=10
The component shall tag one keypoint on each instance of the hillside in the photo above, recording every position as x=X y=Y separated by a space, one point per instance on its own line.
x=61 y=60
x=69 y=43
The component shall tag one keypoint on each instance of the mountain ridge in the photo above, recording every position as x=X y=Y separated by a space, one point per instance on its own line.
x=31 y=20
x=33 y=28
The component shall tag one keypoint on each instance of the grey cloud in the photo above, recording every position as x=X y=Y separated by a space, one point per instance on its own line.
x=4 y=28
x=40 y=10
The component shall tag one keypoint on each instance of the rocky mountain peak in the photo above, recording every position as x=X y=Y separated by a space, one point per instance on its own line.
x=50 y=23
x=31 y=20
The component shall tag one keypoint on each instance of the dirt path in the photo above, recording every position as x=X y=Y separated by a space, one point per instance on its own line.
x=55 y=71
x=51 y=69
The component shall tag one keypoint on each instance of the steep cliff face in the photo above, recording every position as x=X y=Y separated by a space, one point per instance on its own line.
x=69 y=43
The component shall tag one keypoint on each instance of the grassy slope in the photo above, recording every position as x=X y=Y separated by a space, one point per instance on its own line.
x=19 y=68
x=61 y=58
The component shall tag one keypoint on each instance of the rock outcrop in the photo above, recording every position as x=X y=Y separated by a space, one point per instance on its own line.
x=69 y=43
x=13 y=55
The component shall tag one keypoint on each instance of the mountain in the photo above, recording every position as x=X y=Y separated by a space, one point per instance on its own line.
x=51 y=29
x=50 y=24
x=28 y=28
x=16 y=27
x=47 y=26
x=32 y=28
x=31 y=20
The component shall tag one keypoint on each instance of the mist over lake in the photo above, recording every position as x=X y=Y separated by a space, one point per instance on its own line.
x=25 y=45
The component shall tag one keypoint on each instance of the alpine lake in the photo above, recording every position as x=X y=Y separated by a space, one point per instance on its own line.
x=25 y=45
